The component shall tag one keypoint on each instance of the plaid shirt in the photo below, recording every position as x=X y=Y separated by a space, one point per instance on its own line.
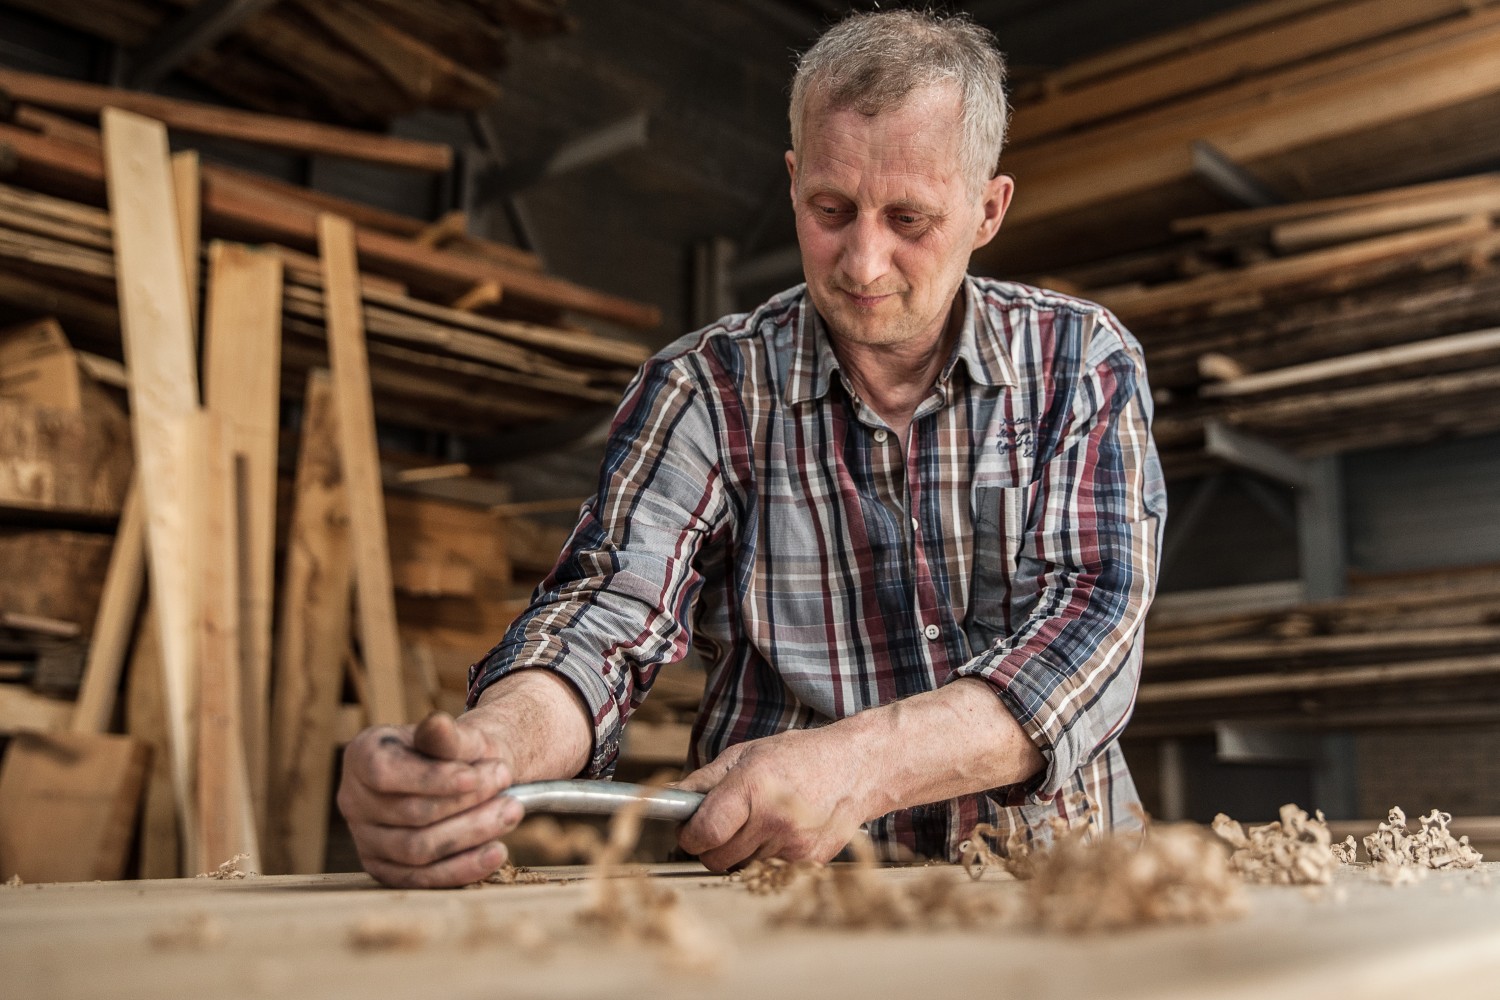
x=750 y=503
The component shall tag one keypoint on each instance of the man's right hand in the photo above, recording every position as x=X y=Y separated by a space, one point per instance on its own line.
x=423 y=802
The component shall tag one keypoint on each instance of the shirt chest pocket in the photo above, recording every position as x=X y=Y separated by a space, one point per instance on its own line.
x=1001 y=496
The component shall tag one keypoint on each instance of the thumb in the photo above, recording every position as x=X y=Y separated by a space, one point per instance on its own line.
x=441 y=737
x=705 y=778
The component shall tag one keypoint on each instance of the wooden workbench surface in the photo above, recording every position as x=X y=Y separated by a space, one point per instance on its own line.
x=295 y=937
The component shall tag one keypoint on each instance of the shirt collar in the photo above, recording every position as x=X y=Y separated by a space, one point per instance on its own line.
x=814 y=364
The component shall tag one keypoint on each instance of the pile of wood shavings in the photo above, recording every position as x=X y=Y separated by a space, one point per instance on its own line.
x=14 y=882
x=1296 y=850
x=229 y=869
x=850 y=896
x=630 y=907
x=1176 y=873
x=509 y=874
x=1393 y=846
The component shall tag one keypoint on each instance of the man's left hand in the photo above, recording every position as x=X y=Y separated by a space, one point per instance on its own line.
x=792 y=796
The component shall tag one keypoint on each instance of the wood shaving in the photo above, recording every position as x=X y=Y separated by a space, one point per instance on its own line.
x=1392 y=844
x=509 y=874
x=380 y=933
x=771 y=876
x=1296 y=850
x=1177 y=873
x=850 y=896
x=1346 y=852
x=14 y=882
x=194 y=932
x=229 y=869
x=630 y=907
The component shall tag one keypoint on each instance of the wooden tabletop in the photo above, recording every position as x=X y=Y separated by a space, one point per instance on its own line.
x=295 y=937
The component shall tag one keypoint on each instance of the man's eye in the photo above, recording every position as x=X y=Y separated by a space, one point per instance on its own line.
x=908 y=220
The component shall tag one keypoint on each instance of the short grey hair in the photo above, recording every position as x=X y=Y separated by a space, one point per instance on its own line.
x=871 y=62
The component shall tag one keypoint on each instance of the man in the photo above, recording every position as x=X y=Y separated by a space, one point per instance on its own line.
x=909 y=518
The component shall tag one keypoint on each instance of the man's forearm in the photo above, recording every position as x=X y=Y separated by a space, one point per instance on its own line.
x=956 y=740
x=543 y=721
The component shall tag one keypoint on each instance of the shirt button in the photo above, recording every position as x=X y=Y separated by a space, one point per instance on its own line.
x=932 y=632
x=881 y=435
x=916 y=525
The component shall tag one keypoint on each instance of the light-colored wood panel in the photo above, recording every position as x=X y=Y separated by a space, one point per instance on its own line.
x=242 y=372
x=160 y=352
x=375 y=594
x=310 y=646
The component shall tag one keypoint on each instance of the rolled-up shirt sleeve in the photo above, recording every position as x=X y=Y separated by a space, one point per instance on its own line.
x=616 y=605
x=1069 y=670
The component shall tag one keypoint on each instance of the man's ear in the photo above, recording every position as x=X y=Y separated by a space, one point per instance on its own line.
x=994 y=199
x=791 y=169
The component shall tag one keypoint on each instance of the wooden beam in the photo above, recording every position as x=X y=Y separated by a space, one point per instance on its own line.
x=295 y=135
x=1456 y=346
x=188 y=188
x=159 y=851
x=310 y=646
x=242 y=372
x=226 y=817
x=157 y=332
x=1281 y=682
x=109 y=643
x=380 y=644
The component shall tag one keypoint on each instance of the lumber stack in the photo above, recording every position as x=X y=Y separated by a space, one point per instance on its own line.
x=1397 y=651
x=1311 y=98
x=301 y=584
x=357 y=61
x=1321 y=326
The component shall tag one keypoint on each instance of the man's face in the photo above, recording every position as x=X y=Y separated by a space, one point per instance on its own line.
x=886 y=218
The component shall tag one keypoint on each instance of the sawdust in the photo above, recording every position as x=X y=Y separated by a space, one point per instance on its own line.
x=1394 y=846
x=1347 y=851
x=194 y=932
x=629 y=907
x=1176 y=873
x=1296 y=850
x=850 y=896
x=509 y=874
x=229 y=869
x=14 y=882
x=382 y=933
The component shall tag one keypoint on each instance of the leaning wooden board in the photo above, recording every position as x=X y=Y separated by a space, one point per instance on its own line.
x=294 y=936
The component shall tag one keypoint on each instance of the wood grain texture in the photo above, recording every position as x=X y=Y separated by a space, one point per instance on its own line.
x=245 y=126
x=159 y=850
x=187 y=187
x=68 y=805
x=226 y=818
x=157 y=331
x=380 y=644
x=242 y=373
x=310 y=646
x=1364 y=939
x=109 y=643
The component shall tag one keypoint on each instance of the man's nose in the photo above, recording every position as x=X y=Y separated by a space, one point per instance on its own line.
x=867 y=251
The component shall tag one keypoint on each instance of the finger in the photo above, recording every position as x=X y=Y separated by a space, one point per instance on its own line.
x=708 y=776
x=386 y=761
x=363 y=803
x=754 y=839
x=424 y=846
x=718 y=819
x=440 y=736
x=464 y=868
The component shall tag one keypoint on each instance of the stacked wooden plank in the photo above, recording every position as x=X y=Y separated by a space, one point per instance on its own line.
x=358 y=61
x=1400 y=651
x=238 y=685
x=503 y=357
x=1322 y=326
x=1311 y=98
